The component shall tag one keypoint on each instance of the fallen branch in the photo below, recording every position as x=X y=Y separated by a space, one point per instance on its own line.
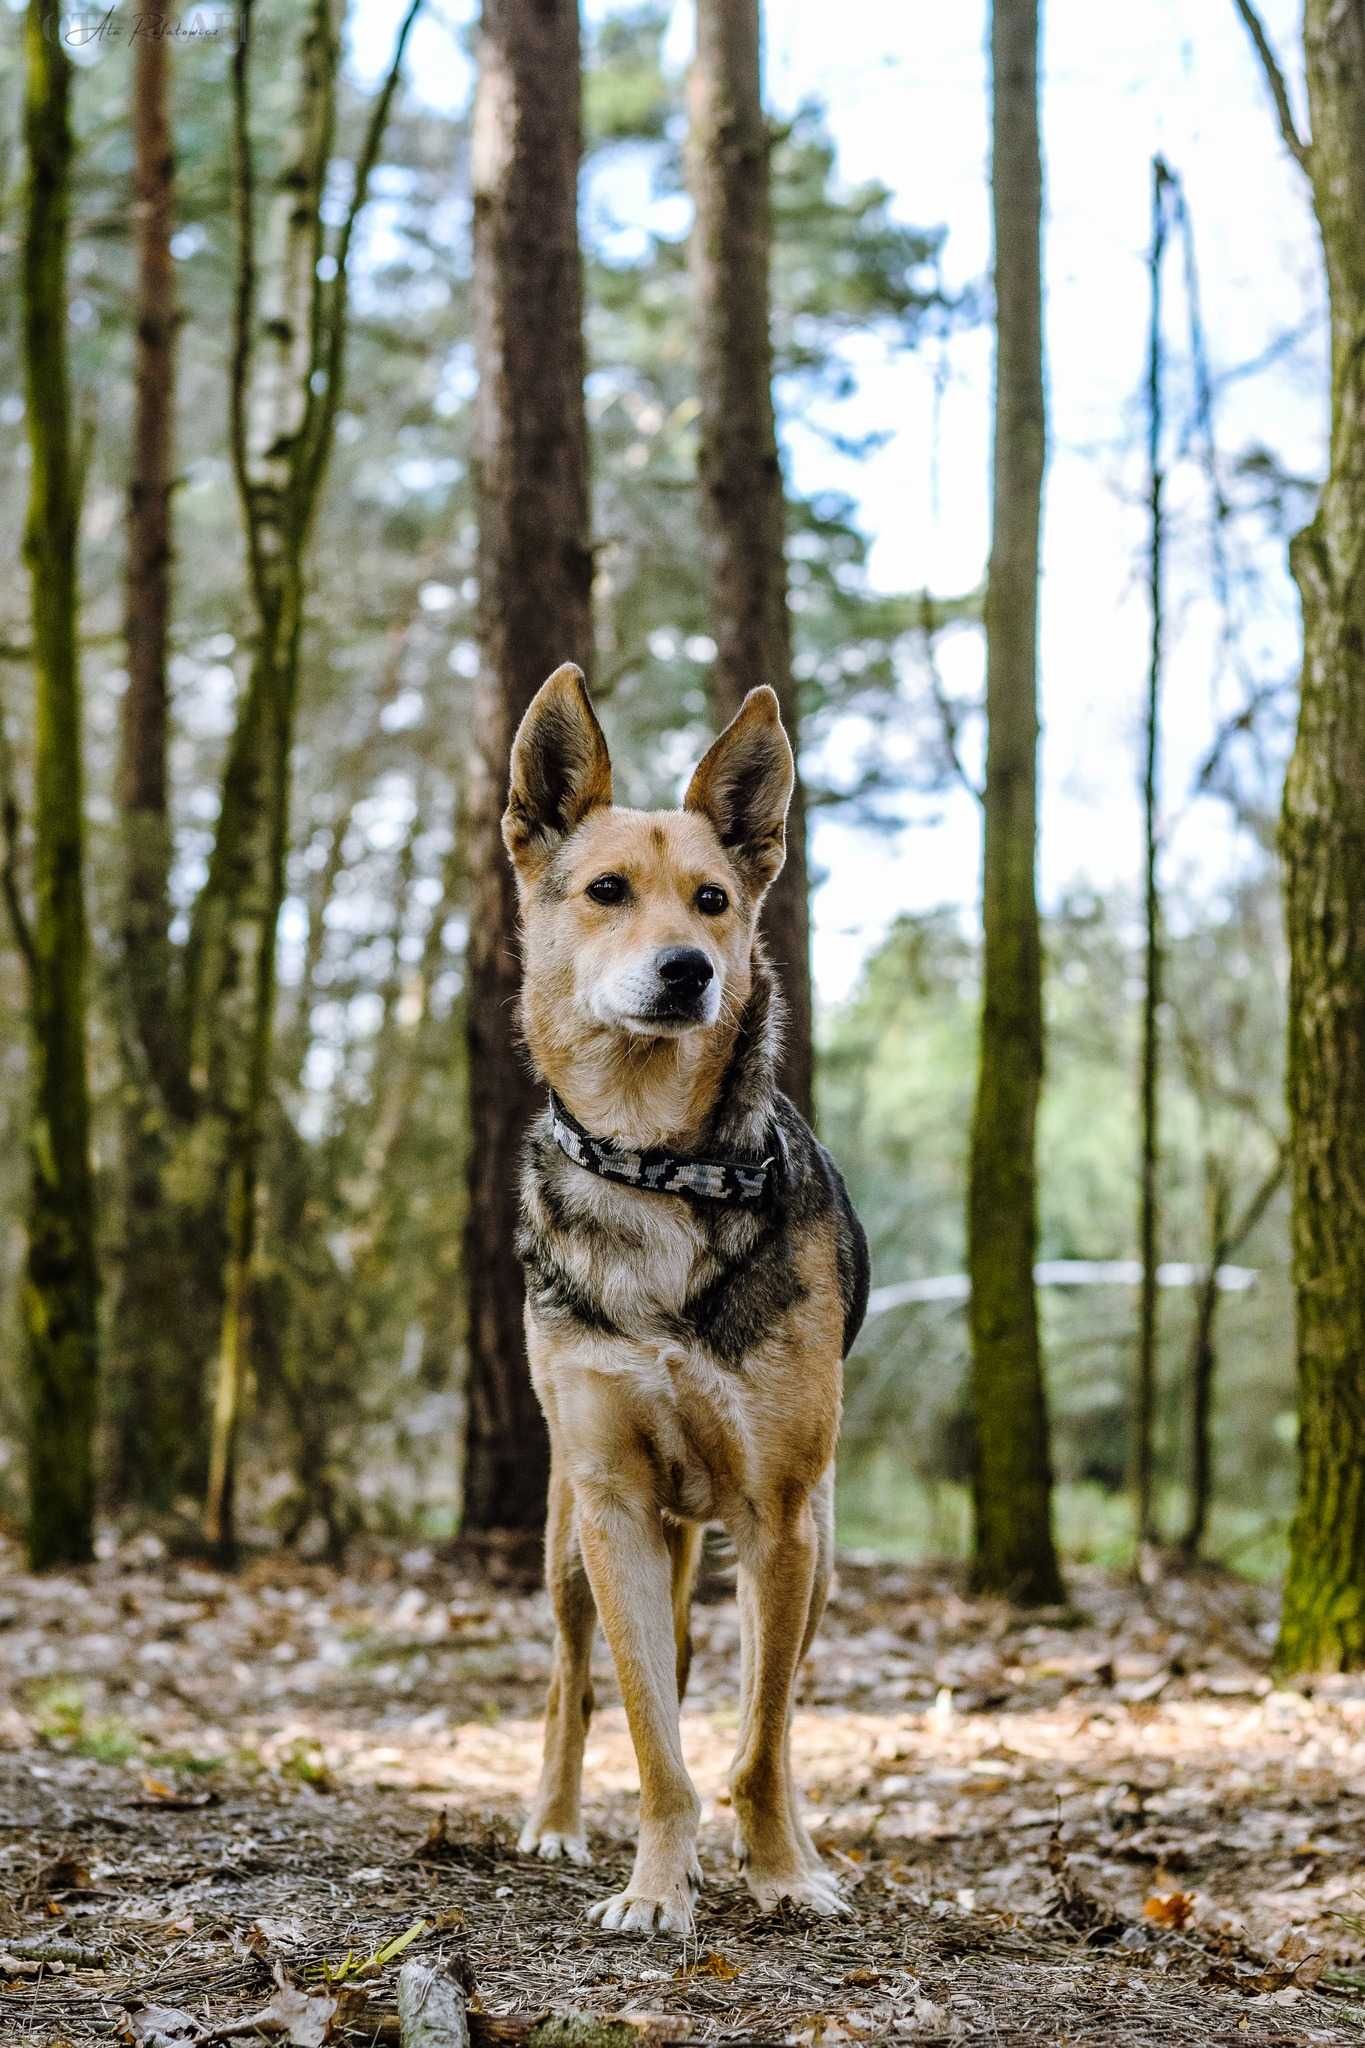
x=431 y=2010
x=1064 y=1273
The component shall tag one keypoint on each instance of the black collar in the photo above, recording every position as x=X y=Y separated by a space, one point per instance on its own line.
x=743 y=1183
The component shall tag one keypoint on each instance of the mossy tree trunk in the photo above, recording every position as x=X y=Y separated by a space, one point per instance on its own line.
x=1323 y=843
x=288 y=365
x=1013 y=1551
x=59 y=1297
x=535 y=611
x=165 y=1291
x=743 y=505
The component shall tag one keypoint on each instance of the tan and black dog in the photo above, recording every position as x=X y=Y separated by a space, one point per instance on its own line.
x=695 y=1276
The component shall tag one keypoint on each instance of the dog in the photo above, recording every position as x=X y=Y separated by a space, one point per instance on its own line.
x=695 y=1275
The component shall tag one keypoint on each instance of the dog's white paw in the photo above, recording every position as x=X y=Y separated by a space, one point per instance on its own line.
x=550 y=1844
x=815 y=1890
x=637 y=1912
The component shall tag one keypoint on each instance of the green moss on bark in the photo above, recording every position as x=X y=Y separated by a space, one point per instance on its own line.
x=1323 y=842
x=1013 y=1551
x=59 y=1299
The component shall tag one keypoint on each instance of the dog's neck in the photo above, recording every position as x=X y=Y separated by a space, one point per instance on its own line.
x=707 y=1089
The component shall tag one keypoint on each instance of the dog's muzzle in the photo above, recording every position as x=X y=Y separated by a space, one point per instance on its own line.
x=684 y=974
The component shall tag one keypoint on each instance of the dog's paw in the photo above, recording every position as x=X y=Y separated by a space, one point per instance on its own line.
x=550 y=1844
x=638 y=1912
x=813 y=1889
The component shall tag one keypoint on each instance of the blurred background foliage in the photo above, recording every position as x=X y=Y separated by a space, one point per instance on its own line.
x=355 y=1421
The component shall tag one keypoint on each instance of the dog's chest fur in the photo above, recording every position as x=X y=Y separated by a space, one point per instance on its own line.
x=604 y=1260
x=644 y=1267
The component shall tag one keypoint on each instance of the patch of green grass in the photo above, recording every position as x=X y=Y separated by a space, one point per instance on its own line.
x=61 y=1720
x=305 y=1763
x=185 y=1760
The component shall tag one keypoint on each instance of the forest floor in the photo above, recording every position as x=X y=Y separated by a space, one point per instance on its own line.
x=223 y=1796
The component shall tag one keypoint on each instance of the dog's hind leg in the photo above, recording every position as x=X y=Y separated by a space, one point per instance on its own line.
x=781 y=1570
x=822 y=1509
x=554 y=1827
x=684 y=1547
x=627 y=1554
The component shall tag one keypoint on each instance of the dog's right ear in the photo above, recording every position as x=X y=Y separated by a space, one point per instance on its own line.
x=561 y=770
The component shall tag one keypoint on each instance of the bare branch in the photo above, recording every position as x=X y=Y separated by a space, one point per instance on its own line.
x=1279 y=90
x=244 y=297
x=9 y=850
x=330 y=335
x=949 y=713
x=1236 y=1234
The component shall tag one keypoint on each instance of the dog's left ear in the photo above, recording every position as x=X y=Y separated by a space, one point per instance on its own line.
x=561 y=770
x=743 y=784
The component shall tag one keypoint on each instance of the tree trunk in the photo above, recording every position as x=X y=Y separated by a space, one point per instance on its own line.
x=233 y=943
x=1013 y=1549
x=1203 y=1365
x=1323 y=1626
x=743 y=508
x=535 y=611
x=156 y=1366
x=1142 y=1447
x=60 y=1283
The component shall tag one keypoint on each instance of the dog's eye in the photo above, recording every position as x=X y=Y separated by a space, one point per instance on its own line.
x=608 y=889
x=711 y=900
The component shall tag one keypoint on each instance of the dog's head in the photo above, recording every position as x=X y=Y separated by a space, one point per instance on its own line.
x=641 y=922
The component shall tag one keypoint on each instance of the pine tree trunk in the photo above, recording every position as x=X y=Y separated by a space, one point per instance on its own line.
x=1013 y=1548
x=1323 y=843
x=535 y=593
x=743 y=507
x=60 y=1281
x=156 y=1356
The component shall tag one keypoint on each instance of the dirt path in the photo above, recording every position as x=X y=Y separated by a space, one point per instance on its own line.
x=1103 y=1828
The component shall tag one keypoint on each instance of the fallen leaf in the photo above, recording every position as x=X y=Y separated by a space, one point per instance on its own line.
x=711 y=1963
x=1169 y=1909
x=158 y=2026
x=302 y=2019
x=157 y=1792
x=64 y=1874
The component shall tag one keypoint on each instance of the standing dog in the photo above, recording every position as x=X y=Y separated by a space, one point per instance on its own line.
x=695 y=1276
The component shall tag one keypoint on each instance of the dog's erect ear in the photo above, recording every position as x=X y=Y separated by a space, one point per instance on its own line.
x=743 y=784
x=560 y=770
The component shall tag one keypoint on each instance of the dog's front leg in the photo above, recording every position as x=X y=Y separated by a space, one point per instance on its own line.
x=630 y=1570
x=554 y=1826
x=779 y=1559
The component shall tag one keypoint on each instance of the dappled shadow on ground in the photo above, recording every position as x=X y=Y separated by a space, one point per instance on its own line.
x=1104 y=1826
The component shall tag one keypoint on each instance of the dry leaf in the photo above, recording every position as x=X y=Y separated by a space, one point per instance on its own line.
x=711 y=1963
x=301 y=2019
x=1169 y=1909
x=157 y=1792
x=158 y=2026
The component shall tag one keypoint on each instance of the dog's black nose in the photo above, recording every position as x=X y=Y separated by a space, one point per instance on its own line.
x=684 y=969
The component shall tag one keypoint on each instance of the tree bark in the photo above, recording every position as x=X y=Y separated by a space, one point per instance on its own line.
x=1323 y=842
x=287 y=371
x=535 y=611
x=1013 y=1550
x=156 y=1328
x=743 y=506
x=1142 y=1447
x=1226 y=1236
x=60 y=1281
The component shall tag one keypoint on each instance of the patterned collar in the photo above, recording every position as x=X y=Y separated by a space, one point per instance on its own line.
x=743 y=1183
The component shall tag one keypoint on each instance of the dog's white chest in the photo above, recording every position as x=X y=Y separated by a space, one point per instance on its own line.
x=640 y=1257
